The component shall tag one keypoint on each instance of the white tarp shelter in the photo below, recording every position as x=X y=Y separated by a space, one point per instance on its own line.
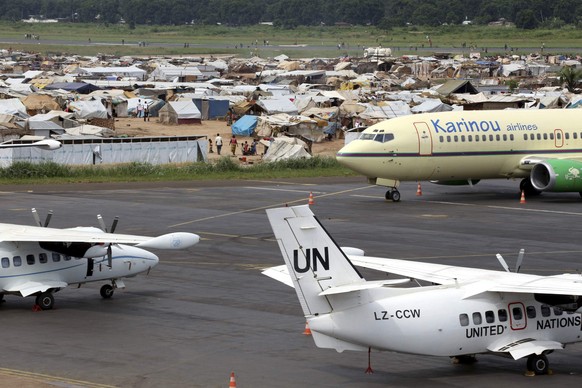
x=89 y=109
x=283 y=148
x=13 y=106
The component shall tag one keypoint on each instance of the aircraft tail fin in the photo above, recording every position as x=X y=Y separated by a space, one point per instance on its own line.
x=315 y=262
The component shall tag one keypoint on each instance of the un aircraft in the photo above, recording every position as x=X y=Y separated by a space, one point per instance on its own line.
x=445 y=311
x=543 y=148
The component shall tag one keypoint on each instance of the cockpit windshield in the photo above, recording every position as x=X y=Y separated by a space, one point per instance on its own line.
x=379 y=137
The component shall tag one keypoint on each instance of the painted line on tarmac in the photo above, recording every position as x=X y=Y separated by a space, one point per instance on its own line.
x=280 y=204
x=51 y=380
x=284 y=183
x=284 y=190
x=522 y=209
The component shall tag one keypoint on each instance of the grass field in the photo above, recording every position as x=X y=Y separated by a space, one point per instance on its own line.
x=323 y=40
x=224 y=168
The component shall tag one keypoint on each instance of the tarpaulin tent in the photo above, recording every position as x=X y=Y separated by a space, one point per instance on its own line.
x=180 y=112
x=212 y=108
x=78 y=87
x=283 y=148
x=245 y=126
x=90 y=109
x=281 y=105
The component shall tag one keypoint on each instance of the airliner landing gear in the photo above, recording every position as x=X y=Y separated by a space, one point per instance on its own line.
x=45 y=300
x=528 y=189
x=393 y=194
x=107 y=291
x=537 y=364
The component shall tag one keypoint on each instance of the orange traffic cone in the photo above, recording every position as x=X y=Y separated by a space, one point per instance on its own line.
x=307 y=330
x=522 y=199
x=232 y=383
x=311 y=201
x=418 y=190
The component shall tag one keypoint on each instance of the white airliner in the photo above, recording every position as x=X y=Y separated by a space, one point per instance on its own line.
x=38 y=261
x=541 y=147
x=460 y=312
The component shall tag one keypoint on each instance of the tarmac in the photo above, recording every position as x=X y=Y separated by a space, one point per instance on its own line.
x=207 y=311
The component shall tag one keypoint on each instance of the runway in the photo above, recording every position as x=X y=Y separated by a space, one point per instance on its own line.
x=207 y=311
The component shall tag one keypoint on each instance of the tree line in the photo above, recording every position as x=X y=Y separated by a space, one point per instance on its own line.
x=527 y=14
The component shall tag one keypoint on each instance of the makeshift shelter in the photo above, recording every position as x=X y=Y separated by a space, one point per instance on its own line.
x=212 y=108
x=39 y=103
x=432 y=105
x=245 y=126
x=387 y=110
x=284 y=148
x=457 y=86
x=274 y=106
x=180 y=112
x=90 y=109
x=13 y=106
x=77 y=87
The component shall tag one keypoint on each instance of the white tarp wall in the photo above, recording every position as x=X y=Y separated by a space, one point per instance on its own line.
x=153 y=152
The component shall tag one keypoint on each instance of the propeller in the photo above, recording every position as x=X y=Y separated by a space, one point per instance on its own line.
x=111 y=230
x=102 y=224
x=517 y=264
x=47 y=220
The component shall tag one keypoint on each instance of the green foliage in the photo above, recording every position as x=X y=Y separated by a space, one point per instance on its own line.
x=293 y=13
x=25 y=170
x=570 y=77
x=225 y=168
x=513 y=84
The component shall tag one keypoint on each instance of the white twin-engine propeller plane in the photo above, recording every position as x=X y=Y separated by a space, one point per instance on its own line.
x=460 y=313
x=37 y=260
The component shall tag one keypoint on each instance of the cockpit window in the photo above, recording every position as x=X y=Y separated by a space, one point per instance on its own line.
x=379 y=137
x=384 y=138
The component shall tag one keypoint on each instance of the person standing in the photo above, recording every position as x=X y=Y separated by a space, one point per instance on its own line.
x=146 y=112
x=233 y=144
x=218 y=142
x=139 y=109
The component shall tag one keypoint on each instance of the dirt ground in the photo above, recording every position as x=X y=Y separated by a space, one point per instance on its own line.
x=135 y=127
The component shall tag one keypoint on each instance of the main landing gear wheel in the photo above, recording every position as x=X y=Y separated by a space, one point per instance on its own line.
x=107 y=291
x=538 y=364
x=45 y=300
x=393 y=195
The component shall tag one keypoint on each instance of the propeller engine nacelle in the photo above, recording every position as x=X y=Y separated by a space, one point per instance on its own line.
x=569 y=303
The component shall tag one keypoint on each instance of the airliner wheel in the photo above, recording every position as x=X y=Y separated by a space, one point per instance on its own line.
x=538 y=364
x=106 y=291
x=393 y=195
x=45 y=301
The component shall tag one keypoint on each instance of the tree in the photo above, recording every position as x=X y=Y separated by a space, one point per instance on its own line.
x=526 y=19
x=571 y=77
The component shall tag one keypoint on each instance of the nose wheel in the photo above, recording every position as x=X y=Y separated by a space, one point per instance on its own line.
x=393 y=195
x=107 y=291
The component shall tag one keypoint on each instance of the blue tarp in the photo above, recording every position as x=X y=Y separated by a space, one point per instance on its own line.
x=245 y=126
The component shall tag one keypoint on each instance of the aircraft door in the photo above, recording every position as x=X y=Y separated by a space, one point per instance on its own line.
x=517 y=316
x=558 y=138
x=424 y=138
x=90 y=265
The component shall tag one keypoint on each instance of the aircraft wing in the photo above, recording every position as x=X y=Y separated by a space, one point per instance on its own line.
x=20 y=233
x=30 y=288
x=525 y=347
x=475 y=280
